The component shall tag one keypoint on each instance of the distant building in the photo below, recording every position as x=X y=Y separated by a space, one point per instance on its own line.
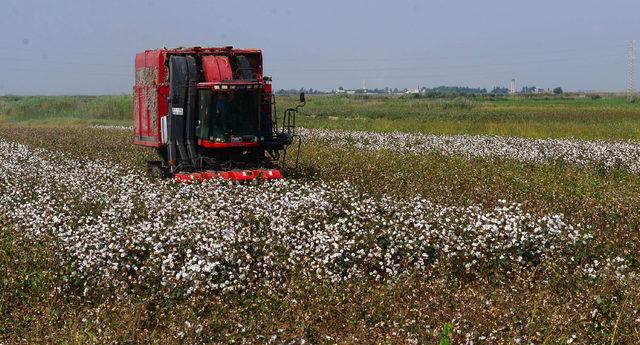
x=512 y=86
x=414 y=91
x=342 y=90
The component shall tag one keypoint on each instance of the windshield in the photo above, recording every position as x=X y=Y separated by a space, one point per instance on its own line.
x=229 y=115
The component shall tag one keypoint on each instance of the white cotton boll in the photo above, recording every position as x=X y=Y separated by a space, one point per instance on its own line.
x=233 y=240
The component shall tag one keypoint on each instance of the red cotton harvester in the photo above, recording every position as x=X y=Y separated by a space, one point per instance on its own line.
x=210 y=113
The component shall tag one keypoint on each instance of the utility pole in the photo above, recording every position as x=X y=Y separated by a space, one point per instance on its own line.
x=631 y=73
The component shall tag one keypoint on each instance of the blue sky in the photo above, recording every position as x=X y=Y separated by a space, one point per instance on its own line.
x=87 y=47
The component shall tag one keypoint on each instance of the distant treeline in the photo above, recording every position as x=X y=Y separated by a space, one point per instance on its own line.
x=435 y=91
x=387 y=90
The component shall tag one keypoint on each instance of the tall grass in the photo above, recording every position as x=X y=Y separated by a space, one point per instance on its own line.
x=66 y=108
x=585 y=118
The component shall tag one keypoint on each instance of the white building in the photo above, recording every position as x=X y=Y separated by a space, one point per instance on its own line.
x=512 y=86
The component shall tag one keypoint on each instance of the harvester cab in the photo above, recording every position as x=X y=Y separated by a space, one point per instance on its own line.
x=210 y=112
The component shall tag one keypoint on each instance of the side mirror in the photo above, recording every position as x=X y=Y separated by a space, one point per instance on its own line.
x=302 y=97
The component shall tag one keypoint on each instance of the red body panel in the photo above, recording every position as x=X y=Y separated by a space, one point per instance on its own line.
x=216 y=68
x=149 y=97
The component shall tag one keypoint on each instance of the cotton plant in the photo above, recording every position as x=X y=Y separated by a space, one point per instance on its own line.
x=116 y=227
x=607 y=154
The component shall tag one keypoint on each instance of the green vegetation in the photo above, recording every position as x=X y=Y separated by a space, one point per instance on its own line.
x=527 y=116
x=444 y=334
x=66 y=109
x=583 y=118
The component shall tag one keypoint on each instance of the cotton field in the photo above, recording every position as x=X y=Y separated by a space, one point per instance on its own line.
x=606 y=154
x=358 y=246
x=117 y=228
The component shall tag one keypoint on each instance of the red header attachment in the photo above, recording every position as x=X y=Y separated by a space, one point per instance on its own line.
x=215 y=145
x=236 y=175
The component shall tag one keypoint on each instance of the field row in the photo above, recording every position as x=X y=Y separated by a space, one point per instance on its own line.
x=602 y=154
x=605 y=154
x=120 y=229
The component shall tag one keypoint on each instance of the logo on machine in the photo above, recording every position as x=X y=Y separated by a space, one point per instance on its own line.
x=177 y=111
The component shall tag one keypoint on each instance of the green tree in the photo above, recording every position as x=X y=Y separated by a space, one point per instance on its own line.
x=500 y=90
x=557 y=91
